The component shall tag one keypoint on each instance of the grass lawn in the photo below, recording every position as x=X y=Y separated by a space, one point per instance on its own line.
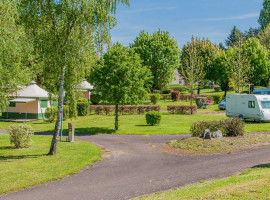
x=251 y=184
x=220 y=145
x=135 y=124
x=21 y=168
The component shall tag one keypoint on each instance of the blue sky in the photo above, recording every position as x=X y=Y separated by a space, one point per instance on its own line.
x=212 y=19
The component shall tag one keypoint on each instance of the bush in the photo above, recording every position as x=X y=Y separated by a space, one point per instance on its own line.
x=154 y=98
x=217 y=88
x=108 y=109
x=153 y=118
x=217 y=99
x=166 y=97
x=230 y=127
x=200 y=101
x=20 y=135
x=175 y=95
x=82 y=100
x=156 y=92
x=50 y=114
x=183 y=109
x=166 y=91
x=233 y=127
x=82 y=108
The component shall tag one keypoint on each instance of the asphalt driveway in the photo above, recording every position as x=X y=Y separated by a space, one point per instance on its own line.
x=135 y=165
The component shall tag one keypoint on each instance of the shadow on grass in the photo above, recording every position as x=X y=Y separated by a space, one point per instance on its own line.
x=143 y=125
x=6 y=147
x=262 y=166
x=18 y=157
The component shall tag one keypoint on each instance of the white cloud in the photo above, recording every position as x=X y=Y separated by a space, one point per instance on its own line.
x=246 y=16
x=152 y=9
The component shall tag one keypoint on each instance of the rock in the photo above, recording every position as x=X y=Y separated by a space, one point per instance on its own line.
x=217 y=134
x=207 y=134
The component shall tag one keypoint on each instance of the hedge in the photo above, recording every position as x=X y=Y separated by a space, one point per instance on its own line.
x=186 y=97
x=153 y=118
x=154 y=98
x=126 y=109
x=217 y=99
x=183 y=109
x=175 y=95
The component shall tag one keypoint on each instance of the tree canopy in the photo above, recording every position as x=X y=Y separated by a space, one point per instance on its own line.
x=120 y=77
x=235 y=36
x=160 y=52
x=264 y=18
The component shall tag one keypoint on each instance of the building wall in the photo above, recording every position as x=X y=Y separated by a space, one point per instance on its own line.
x=31 y=107
x=86 y=94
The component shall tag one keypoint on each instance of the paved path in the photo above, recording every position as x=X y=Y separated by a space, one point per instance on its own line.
x=135 y=166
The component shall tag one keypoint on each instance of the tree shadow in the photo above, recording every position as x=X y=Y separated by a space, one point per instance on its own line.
x=143 y=125
x=93 y=131
x=262 y=166
x=6 y=147
x=18 y=157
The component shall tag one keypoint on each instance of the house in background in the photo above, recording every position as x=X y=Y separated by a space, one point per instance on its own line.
x=85 y=88
x=178 y=79
x=30 y=102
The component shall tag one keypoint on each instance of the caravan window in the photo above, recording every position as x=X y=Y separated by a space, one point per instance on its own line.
x=265 y=104
x=251 y=104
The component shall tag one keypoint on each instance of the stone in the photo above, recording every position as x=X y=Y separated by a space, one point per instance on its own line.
x=217 y=134
x=207 y=134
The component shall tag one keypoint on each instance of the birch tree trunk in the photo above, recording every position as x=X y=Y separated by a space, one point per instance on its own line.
x=58 y=122
x=116 y=117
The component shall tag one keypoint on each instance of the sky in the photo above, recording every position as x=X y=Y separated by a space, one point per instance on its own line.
x=212 y=19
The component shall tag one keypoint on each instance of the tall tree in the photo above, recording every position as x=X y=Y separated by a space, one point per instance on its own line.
x=264 y=37
x=191 y=66
x=234 y=37
x=258 y=58
x=63 y=32
x=252 y=33
x=160 y=53
x=120 y=78
x=14 y=51
x=264 y=18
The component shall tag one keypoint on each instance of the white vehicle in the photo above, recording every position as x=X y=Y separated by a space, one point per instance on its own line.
x=248 y=106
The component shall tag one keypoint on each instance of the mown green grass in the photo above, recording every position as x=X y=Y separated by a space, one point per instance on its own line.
x=225 y=144
x=251 y=184
x=135 y=124
x=22 y=168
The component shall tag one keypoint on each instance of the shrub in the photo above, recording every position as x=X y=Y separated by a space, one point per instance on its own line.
x=166 y=91
x=156 y=92
x=217 y=99
x=20 y=135
x=175 y=95
x=65 y=112
x=200 y=101
x=154 y=98
x=233 y=127
x=82 y=108
x=166 y=97
x=230 y=127
x=50 y=114
x=217 y=88
x=108 y=109
x=153 y=118
x=82 y=100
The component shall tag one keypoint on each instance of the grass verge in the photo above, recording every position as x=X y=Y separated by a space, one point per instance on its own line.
x=251 y=184
x=22 y=168
x=220 y=145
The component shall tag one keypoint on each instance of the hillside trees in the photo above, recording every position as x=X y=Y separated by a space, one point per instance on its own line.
x=120 y=78
x=62 y=33
x=160 y=53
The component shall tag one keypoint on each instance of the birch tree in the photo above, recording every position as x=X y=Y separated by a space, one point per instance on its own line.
x=63 y=32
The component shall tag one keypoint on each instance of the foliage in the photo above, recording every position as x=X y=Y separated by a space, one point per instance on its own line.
x=179 y=88
x=217 y=88
x=258 y=57
x=264 y=18
x=82 y=100
x=217 y=99
x=182 y=109
x=20 y=135
x=264 y=37
x=50 y=114
x=14 y=52
x=153 y=118
x=82 y=108
x=160 y=53
x=154 y=98
x=231 y=127
x=166 y=91
x=95 y=98
x=191 y=67
x=66 y=112
x=200 y=101
x=120 y=78
x=235 y=36
x=175 y=95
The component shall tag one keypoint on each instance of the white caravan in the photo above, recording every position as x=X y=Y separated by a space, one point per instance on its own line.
x=248 y=106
